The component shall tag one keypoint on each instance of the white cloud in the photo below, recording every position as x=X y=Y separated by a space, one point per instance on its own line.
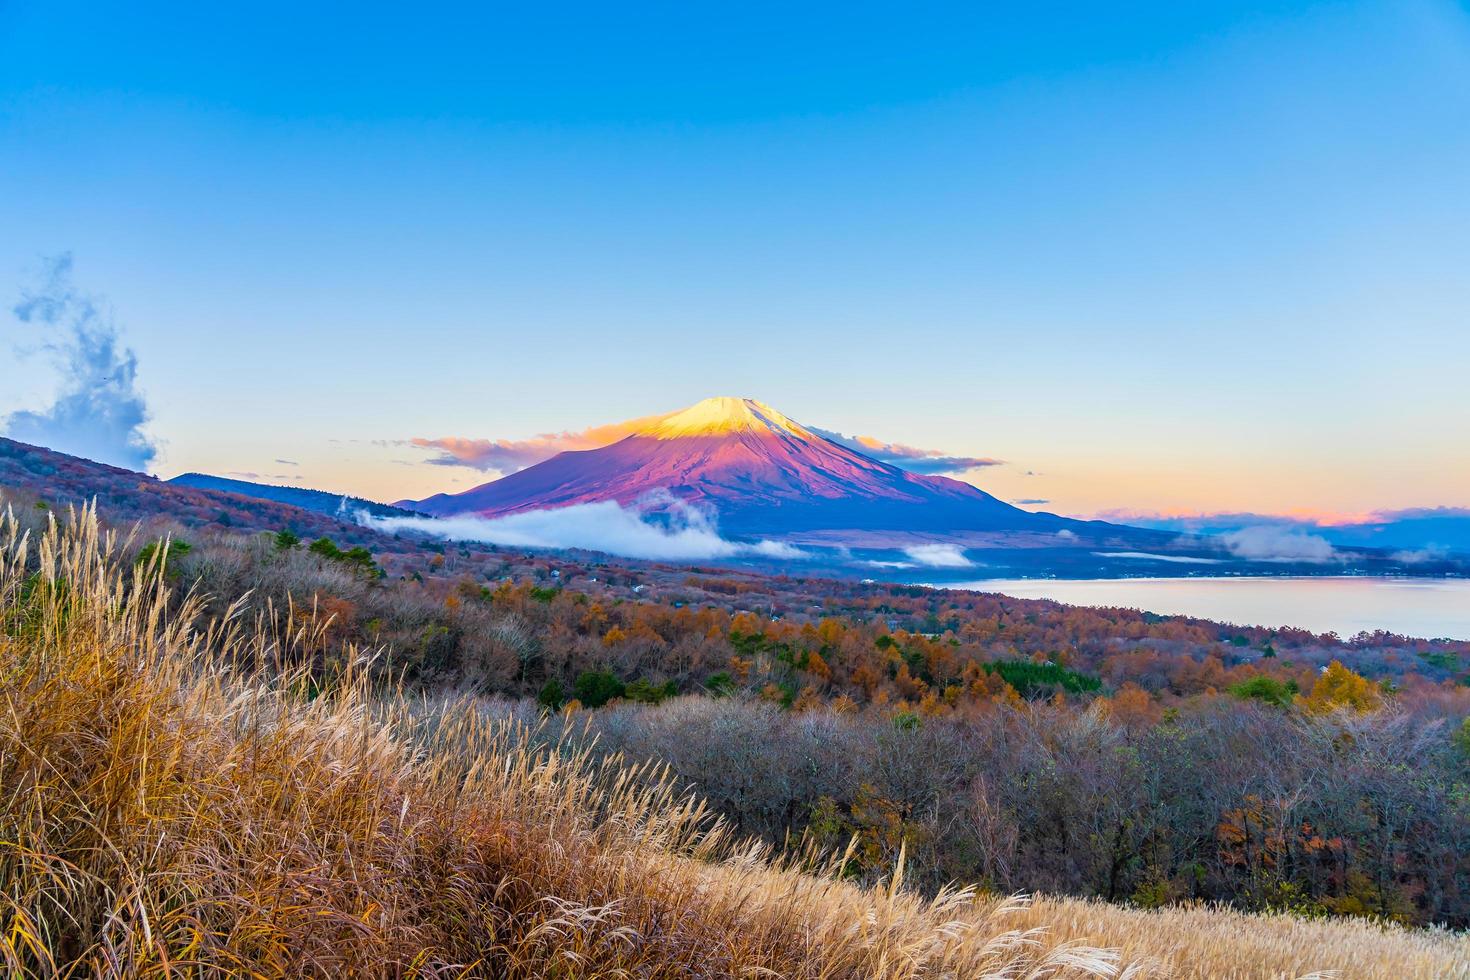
x=1278 y=544
x=939 y=556
x=1417 y=556
x=1144 y=555
x=777 y=549
x=98 y=413
x=677 y=532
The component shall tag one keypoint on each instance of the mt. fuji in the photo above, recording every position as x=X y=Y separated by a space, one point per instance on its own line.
x=759 y=471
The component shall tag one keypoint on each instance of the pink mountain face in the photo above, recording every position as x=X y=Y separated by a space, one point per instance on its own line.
x=757 y=470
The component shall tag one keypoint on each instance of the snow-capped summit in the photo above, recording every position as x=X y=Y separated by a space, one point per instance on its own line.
x=722 y=416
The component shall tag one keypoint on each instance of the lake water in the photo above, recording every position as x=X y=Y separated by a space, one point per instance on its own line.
x=1345 y=605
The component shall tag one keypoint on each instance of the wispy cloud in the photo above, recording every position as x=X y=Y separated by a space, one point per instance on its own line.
x=659 y=527
x=509 y=455
x=252 y=475
x=1418 y=556
x=1030 y=502
x=1410 y=535
x=1299 y=517
x=1200 y=520
x=777 y=549
x=1150 y=556
x=908 y=457
x=939 y=556
x=98 y=411
x=1422 y=513
x=1278 y=544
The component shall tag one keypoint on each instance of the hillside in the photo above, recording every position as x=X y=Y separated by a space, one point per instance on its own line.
x=320 y=501
x=271 y=824
x=919 y=721
x=126 y=495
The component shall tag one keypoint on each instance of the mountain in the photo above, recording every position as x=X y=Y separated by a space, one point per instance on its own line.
x=1420 y=533
x=333 y=504
x=1428 y=529
x=759 y=471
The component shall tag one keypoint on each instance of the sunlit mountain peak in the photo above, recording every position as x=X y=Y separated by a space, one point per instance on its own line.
x=723 y=416
x=754 y=470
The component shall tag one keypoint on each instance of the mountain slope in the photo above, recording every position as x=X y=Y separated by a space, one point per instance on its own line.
x=321 y=501
x=760 y=471
x=61 y=480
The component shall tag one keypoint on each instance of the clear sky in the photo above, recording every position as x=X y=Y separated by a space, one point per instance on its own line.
x=1159 y=255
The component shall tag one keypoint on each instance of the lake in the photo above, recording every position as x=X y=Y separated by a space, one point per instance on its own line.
x=1345 y=605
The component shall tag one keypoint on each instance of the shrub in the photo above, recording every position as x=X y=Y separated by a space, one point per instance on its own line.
x=1032 y=680
x=595 y=688
x=1267 y=689
x=176 y=549
x=358 y=559
x=1340 y=687
x=1461 y=738
x=552 y=697
x=649 y=693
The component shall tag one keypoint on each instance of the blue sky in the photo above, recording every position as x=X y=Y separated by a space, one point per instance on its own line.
x=1159 y=256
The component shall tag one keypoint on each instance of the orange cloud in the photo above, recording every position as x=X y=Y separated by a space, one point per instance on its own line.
x=1300 y=515
x=510 y=455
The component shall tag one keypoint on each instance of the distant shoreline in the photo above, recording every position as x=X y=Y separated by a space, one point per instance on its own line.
x=1415 y=606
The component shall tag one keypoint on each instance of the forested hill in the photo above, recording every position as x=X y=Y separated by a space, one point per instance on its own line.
x=126 y=495
x=321 y=501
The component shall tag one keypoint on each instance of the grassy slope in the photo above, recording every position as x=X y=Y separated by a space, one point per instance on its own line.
x=164 y=815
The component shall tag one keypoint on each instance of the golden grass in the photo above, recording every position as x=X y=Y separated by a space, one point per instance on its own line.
x=174 y=802
x=169 y=811
x=1210 y=942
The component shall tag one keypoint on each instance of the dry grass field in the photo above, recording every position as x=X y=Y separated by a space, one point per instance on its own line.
x=179 y=800
x=1214 y=943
